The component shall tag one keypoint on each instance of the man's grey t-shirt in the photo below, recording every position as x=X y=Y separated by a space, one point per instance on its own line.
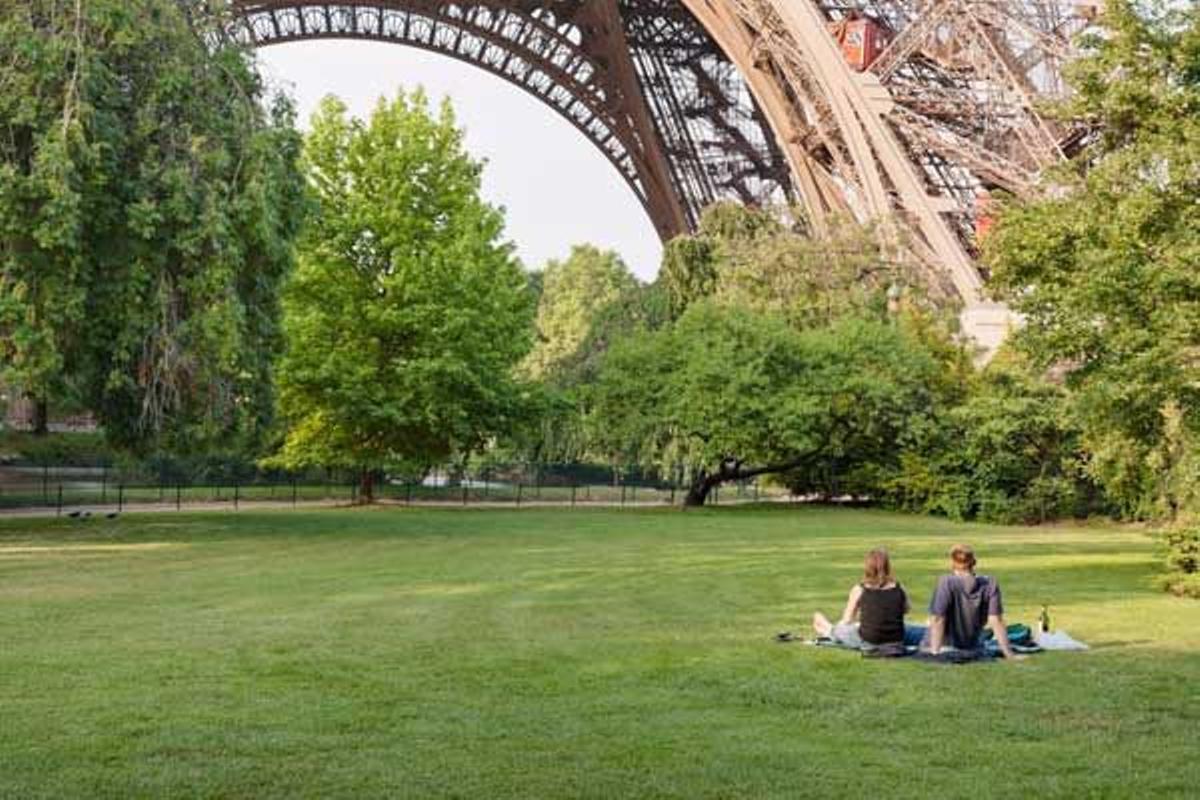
x=965 y=602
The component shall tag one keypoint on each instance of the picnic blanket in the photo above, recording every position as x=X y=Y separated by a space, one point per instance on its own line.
x=1020 y=638
x=1059 y=640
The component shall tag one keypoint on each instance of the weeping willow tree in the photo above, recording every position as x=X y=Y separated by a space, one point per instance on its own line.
x=149 y=195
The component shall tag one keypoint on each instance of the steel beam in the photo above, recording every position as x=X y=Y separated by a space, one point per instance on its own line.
x=698 y=100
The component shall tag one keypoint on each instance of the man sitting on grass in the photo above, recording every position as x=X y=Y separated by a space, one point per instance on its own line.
x=962 y=604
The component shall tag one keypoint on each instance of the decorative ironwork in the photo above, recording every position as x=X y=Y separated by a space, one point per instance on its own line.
x=900 y=110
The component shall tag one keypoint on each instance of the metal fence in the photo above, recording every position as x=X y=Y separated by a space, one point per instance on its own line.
x=108 y=489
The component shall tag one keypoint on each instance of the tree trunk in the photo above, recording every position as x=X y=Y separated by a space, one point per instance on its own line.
x=731 y=469
x=702 y=484
x=41 y=416
x=366 y=487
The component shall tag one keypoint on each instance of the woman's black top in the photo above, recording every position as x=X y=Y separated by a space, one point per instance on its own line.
x=881 y=614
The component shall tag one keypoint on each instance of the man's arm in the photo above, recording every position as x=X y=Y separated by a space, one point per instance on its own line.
x=852 y=605
x=937 y=634
x=1000 y=631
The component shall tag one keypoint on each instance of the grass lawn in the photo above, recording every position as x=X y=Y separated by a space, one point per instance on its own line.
x=556 y=653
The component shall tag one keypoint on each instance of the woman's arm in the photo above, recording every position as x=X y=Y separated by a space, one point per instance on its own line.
x=852 y=603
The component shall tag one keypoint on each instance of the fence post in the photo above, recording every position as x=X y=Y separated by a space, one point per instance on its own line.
x=104 y=485
x=236 y=494
x=465 y=490
x=58 y=513
x=120 y=497
x=756 y=491
x=178 y=495
x=672 y=494
x=293 y=491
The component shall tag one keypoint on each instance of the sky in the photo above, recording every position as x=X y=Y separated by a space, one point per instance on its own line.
x=556 y=187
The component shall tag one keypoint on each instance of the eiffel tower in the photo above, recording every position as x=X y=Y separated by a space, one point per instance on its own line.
x=906 y=112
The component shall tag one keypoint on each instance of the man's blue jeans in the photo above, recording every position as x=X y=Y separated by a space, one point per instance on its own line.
x=913 y=634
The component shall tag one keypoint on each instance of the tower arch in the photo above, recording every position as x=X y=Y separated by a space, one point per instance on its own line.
x=898 y=111
x=586 y=61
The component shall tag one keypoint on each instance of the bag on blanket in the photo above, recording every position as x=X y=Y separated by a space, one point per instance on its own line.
x=1019 y=635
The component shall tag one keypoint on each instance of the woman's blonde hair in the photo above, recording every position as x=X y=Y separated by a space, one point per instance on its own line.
x=877 y=569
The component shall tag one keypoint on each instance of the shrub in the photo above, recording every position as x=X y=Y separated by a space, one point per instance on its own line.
x=1008 y=453
x=1183 y=562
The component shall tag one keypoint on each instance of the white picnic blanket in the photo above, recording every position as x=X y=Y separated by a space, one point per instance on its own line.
x=1058 y=640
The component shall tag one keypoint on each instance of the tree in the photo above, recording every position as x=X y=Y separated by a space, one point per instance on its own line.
x=732 y=394
x=573 y=292
x=1104 y=268
x=642 y=307
x=768 y=260
x=1008 y=452
x=149 y=195
x=407 y=313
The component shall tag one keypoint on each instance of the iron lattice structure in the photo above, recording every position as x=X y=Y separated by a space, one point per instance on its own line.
x=761 y=100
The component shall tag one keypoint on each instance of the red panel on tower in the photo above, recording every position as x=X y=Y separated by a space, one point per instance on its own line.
x=862 y=40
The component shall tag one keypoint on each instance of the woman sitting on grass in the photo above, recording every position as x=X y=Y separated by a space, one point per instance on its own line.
x=879 y=603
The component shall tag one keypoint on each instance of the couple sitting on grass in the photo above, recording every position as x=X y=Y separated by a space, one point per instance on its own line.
x=963 y=603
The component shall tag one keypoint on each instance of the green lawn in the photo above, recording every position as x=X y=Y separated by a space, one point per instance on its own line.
x=545 y=654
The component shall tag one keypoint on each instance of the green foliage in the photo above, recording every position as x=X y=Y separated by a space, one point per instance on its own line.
x=1008 y=453
x=1104 y=269
x=573 y=292
x=1183 y=562
x=56 y=449
x=149 y=194
x=692 y=264
x=640 y=308
x=407 y=314
x=871 y=390
x=831 y=407
x=586 y=303
x=767 y=261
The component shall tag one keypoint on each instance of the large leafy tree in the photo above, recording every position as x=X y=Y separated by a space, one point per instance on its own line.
x=149 y=194
x=574 y=292
x=407 y=313
x=589 y=290
x=1105 y=268
x=563 y=434
x=731 y=394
